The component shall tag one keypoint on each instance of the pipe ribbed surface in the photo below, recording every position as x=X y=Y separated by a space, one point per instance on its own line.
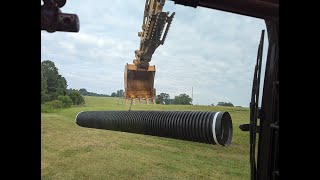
x=199 y=126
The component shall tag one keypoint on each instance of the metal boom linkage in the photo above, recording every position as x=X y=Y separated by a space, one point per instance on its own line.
x=155 y=27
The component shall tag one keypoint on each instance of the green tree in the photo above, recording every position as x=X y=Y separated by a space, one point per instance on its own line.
x=43 y=86
x=76 y=98
x=114 y=94
x=62 y=85
x=70 y=90
x=120 y=93
x=54 y=104
x=67 y=102
x=50 y=73
x=83 y=91
x=56 y=84
x=163 y=98
x=183 y=99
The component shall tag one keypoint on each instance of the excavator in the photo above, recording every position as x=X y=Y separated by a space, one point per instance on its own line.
x=139 y=76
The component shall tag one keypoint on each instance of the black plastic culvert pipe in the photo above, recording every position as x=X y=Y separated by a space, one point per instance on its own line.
x=199 y=126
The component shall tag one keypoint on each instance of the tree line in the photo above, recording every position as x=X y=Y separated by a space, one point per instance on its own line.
x=164 y=98
x=54 y=93
x=119 y=93
x=224 y=104
x=84 y=92
x=182 y=99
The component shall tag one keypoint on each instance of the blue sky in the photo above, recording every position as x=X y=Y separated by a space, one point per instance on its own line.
x=212 y=51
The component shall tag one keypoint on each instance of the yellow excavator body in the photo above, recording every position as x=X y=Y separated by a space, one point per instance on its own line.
x=139 y=76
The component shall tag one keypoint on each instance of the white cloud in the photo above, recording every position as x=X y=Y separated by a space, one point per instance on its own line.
x=212 y=51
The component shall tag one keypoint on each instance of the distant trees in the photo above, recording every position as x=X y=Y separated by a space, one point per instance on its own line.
x=52 y=83
x=183 y=99
x=54 y=93
x=84 y=92
x=163 y=98
x=119 y=93
x=55 y=83
x=225 y=104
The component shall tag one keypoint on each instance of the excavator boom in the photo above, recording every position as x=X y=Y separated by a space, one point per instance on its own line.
x=139 y=76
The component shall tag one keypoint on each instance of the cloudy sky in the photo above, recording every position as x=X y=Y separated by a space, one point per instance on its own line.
x=212 y=51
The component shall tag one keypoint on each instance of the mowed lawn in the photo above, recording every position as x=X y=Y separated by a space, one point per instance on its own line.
x=69 y=151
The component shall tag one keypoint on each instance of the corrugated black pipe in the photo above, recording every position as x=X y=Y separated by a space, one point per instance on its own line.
x=199 y=126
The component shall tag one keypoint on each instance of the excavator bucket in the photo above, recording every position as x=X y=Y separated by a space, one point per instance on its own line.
x=138 y=83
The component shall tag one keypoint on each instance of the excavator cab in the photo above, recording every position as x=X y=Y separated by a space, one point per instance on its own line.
x=139 y=76
x=139 y=83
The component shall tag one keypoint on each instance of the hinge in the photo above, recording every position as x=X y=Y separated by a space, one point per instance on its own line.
x=246 y=127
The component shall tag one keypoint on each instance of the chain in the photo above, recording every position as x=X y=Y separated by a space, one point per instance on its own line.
x=130 y=104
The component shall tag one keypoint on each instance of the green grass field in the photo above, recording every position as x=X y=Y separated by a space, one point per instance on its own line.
x=69 y=151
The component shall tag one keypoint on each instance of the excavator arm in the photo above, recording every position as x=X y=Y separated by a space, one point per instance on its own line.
x=155 y=27
x=139 y=76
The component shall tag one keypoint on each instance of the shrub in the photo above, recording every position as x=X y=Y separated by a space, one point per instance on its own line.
x=67 y=102
x=46 y=109
x=55 y=104
x=76 y=98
